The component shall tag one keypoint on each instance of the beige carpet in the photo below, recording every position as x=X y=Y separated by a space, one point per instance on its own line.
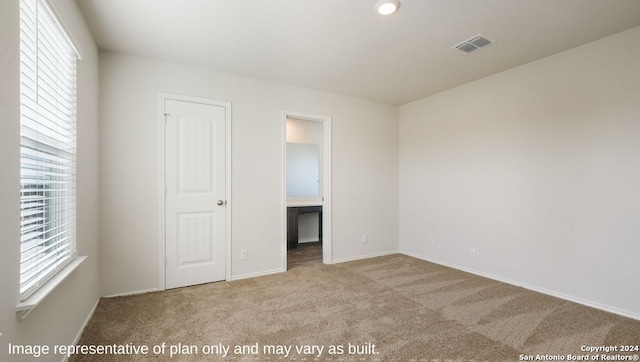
x=391 y=308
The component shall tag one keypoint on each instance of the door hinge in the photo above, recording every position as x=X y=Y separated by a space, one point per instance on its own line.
x=165 y=260
x=165 y=117
x=165 y=191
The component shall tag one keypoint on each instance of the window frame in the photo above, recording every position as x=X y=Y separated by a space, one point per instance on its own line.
x=48 y=152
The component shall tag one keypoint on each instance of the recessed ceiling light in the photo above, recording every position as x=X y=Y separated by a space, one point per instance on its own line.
x=386 y=7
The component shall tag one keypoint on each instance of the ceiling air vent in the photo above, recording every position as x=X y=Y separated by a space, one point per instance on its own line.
x=473 y=44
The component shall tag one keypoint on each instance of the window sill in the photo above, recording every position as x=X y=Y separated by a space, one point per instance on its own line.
x=26 y=306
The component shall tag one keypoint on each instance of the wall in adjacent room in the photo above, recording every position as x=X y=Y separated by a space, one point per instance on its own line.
x=310 y=132
x=537 y=169
x=59 y=318
x=365 y=173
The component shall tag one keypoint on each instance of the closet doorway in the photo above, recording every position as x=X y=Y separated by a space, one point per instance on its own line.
x=307 y=189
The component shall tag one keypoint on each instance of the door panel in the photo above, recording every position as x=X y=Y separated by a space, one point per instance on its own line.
x=195 y=230
x=195 y=177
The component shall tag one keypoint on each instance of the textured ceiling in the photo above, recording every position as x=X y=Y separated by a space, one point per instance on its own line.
x=344 y=46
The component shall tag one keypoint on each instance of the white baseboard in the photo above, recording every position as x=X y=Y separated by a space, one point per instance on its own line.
x=132 y=293
x=534 y=288
x=253 y=275
x=84 y=325
x=367 y=256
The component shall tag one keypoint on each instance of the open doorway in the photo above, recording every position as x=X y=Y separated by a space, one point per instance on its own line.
x=307 y=189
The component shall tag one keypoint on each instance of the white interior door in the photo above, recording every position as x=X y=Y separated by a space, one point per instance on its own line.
x=195 y=201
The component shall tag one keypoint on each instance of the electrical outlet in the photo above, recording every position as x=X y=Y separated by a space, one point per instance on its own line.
x=472 y=252
x=244 y=254
x=365 y=238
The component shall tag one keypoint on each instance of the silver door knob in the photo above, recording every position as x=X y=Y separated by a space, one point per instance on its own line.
x=220 y=202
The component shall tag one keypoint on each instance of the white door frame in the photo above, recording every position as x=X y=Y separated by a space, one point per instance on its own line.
x=327 y=256
x=162 y=182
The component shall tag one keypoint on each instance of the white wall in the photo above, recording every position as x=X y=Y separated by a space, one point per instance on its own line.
x=310 y=132
x=304 y=131
x=60 y=317
x=538 y=169
x=365 y=177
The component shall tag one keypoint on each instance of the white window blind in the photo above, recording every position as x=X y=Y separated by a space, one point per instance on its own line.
x=47 y=146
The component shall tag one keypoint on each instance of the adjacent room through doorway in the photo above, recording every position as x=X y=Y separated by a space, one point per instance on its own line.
x=306 y=185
